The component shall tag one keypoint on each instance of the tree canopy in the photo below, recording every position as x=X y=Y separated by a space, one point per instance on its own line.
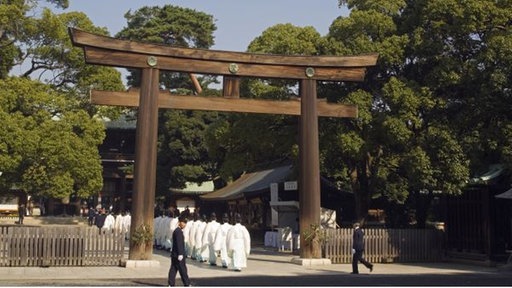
x=182 y=154
x=433 y=96
x=433 y=111
x=50 y=144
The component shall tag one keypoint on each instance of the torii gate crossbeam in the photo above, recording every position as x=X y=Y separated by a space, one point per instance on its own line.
x=152 y=58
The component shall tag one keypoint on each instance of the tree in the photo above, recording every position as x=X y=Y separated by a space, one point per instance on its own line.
x=48 y=146
x=14 y=25
x=255 y=141
x=40 y=48
x=182 y=155
x=427 y=92
x=169 y=25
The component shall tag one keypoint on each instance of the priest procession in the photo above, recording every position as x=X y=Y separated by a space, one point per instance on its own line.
x=215 y=242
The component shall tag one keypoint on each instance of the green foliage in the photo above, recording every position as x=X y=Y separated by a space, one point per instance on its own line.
x=314 y=234
x=41 y=42
x=169 y=25
x=287 y=39
x=438 y=93
x=248 y=141
x=182 y=154
x=142 y=235
x=48 y=147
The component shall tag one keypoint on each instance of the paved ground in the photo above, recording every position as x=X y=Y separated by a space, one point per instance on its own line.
x=265 y=268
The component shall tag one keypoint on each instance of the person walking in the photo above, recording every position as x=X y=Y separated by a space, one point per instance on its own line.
x=100 y=220
x=90 y=216
x=21 y=213
x=201 y=256
x=358 y=250
x=220 y=240
x=178 y=259
x=110 y=221
x=209 y=239
x=127 y=223
x=238 y=245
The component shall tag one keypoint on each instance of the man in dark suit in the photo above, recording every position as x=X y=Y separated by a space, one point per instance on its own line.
x=358 y=249
x=99 y=219
x=178 y=255
x=21 y=213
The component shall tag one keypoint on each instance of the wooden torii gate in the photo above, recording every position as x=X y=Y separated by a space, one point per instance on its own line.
x=152 y=58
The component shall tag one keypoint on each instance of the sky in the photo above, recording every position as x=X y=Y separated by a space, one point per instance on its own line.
x=238 y=21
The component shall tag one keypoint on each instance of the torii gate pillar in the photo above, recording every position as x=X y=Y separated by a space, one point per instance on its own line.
x=309 y=172
x=145 y=160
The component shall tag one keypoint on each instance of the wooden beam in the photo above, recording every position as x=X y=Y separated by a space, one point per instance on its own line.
x=231 y=87
x=166 y=100
x=130 y=60
x=86 y=39
x=196 y=84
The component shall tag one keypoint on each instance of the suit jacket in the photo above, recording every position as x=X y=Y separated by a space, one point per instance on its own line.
x=178 y=243
x=358 y=239
x=100 y=220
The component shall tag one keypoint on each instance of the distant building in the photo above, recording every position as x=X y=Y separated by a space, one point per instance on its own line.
x=117 y=157
x=478 y=225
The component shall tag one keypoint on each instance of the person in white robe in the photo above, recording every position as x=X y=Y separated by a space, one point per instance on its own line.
x=192 y=237
x=238 y=242
x=186 y=235
x=219 y=244
x=198 y=236
x=156 y=231
x=209 y=239
x=118 y=224
x=127 y=224
x=163 y=229
x=109 y=223
x=169 y=229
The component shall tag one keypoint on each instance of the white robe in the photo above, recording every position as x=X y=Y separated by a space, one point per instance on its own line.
x=173 y=223
x=127 y=224
x=238 y=243
x=118 y=224
x=208 y=240
x=163 y=229
x=186 y=238
x=109 y=223
x=191 y=227
x=198 y=236
x=220 y=243
x=156 y=230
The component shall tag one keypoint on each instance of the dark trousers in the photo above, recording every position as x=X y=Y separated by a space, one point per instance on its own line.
x=181 y=267
x=358 y=257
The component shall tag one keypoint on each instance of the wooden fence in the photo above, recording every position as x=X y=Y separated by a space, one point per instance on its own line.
x=59 y=246
x=386 y=245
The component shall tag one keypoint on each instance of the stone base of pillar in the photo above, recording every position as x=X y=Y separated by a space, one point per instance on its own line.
x=311 y=261
x=139 y=263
